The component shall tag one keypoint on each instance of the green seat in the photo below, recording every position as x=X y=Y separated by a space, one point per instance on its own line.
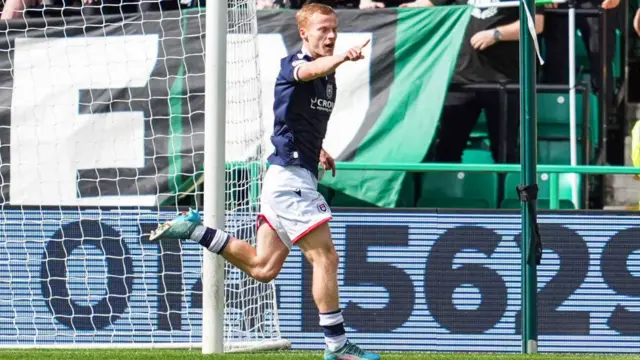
x=458 y=190
x=594 y=124
x=555 y=153
x=477 y=156
x=583 y=68
x=341 y=199
x=406 y=198
x=480 y=131
x=553 y=115
x=615 y=67
x=511 y=200
x=582 y=55
x=553 y=125
x=583 y=63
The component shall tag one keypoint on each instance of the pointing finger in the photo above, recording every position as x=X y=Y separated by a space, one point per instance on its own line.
x=365 y=44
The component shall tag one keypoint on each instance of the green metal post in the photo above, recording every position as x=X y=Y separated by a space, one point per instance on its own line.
x=554 y=200
x=528 y=152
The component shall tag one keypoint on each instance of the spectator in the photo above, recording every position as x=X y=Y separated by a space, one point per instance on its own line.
x=636 y=22
x=379 y=4
x=556 y=67
x=18 y=9
x=297 y=4
x=14 y=9
x=350 y=4
x=418 y=3
x=489 y=54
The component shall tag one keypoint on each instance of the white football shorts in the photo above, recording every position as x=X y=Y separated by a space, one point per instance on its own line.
x=291 y=204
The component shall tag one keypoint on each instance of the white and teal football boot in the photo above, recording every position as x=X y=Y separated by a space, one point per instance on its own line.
x=180 y=227
x=350 y=352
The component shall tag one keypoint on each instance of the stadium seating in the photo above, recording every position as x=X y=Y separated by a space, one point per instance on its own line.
x=582 y=56
x=480 y=190
x=511 y=200
x=458 y=190
x=405 y=200
x=477 y=156
x=341 y=199
x=553 y=126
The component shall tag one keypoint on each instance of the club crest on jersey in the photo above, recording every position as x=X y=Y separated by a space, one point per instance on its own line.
x=322 y=207
x=330 y=90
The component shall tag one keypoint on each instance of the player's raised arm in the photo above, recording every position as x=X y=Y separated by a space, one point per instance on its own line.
x=326 y=65
x=318 y=28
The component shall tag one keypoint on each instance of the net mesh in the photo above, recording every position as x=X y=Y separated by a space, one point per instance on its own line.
x=101 y=139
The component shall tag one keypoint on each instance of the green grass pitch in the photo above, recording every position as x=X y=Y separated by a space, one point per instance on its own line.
x=285 y=355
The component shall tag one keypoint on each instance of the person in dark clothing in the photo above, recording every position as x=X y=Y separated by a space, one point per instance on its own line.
x=556 y=67
x=338 y=4
x=297 y=4
x=379 y=4
x=489 y=54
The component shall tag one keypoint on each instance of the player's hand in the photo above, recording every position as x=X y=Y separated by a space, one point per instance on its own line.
x=369 y=4
x=636 y=22
x=483 y=39
x=610 y=4
x=355 y=53
x=327 y=162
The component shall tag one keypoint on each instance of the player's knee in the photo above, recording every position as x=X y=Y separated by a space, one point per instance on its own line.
x=328 y=260
x=266 y=274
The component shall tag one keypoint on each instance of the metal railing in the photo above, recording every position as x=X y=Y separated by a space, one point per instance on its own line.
x=553 y=170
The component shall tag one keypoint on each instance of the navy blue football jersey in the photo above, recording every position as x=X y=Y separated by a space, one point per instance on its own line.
x=302 y=110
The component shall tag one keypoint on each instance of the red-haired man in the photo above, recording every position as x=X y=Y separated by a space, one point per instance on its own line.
x=292 y=210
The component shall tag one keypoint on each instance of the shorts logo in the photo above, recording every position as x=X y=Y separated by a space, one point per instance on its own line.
x=330 y=90
x=322 y=207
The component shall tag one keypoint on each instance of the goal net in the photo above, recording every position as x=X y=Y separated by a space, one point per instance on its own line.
x=101 y=139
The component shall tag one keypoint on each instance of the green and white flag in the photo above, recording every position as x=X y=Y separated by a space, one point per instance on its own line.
x=410 y=73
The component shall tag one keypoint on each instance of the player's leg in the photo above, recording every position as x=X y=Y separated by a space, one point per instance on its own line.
x=459 y=116
x=503 y=128
x=317 y=247
x=262 y=263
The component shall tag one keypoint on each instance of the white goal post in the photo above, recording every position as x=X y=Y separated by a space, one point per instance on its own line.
x=214 y=172
x=108 y=124
x=225 y=104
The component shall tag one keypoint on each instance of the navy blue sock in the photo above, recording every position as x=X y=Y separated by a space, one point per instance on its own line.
x=212 y=239
x=334 y=330
x=334 y=334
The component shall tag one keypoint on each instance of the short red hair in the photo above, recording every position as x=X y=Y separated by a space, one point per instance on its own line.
x=308 y=10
